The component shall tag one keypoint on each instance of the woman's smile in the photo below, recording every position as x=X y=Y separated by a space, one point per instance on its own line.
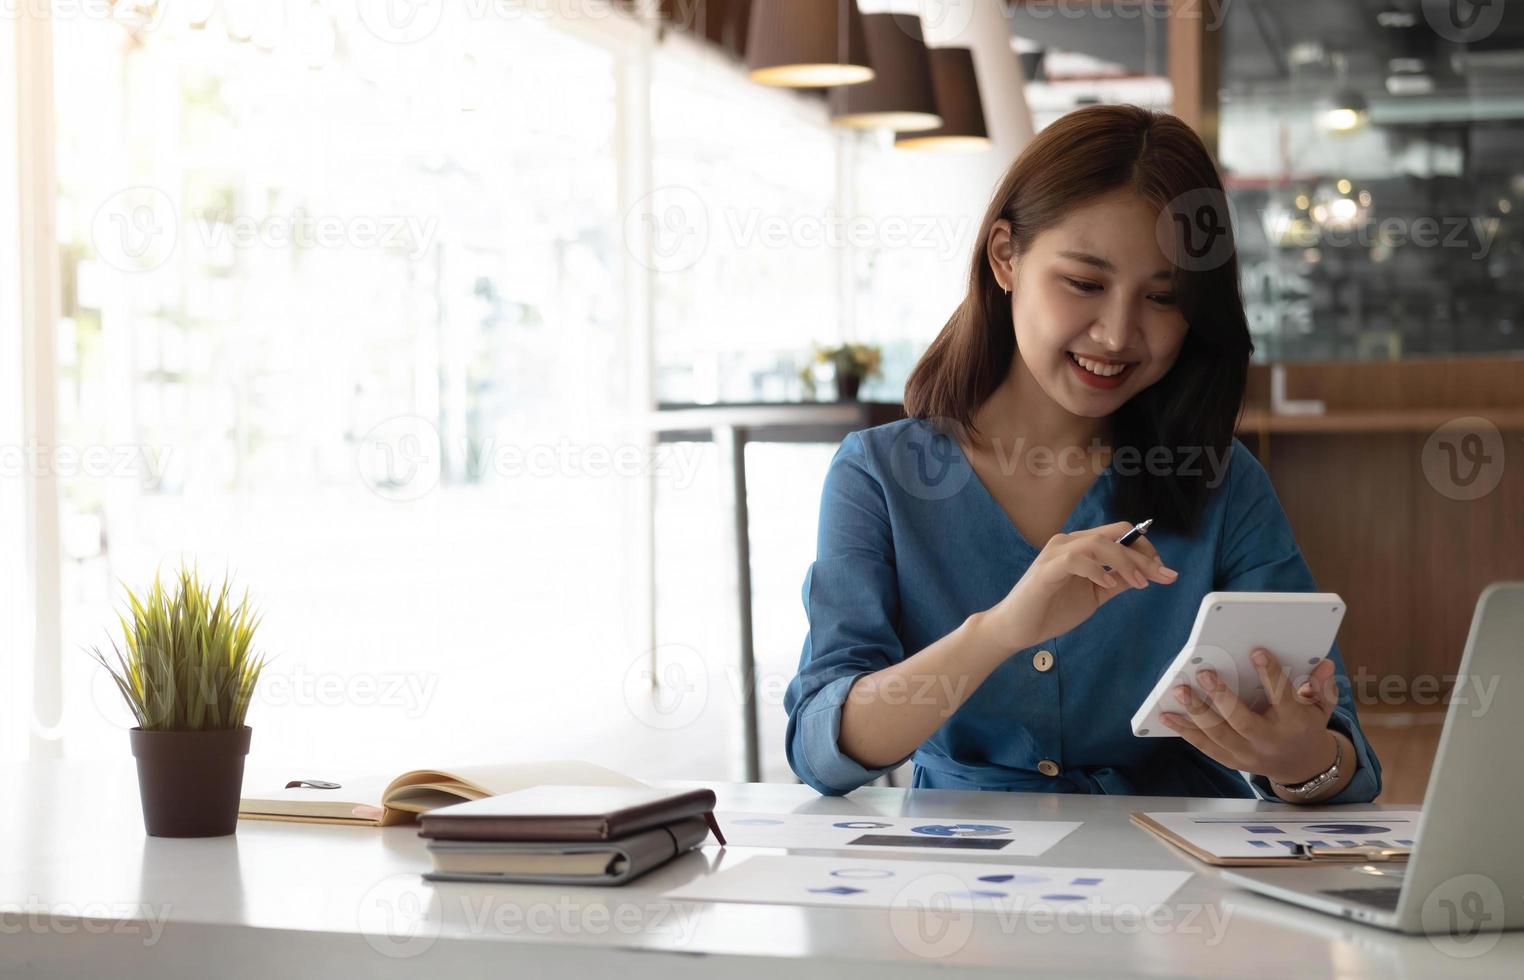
x=1099 y=372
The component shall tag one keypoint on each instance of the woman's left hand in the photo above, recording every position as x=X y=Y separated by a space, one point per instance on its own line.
x=1289 y=742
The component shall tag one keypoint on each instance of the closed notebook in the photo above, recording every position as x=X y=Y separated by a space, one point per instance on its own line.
x=379 y=801
x=611 y=862
x=566 y=813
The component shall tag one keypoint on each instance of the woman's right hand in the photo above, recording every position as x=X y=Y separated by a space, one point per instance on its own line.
x=1067 y=582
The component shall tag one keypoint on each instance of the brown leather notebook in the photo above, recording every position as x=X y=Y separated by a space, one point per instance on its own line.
x=611 y=862
x=566 y=813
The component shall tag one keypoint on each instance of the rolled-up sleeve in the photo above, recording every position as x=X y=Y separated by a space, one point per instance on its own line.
x=851 y=600
x=1260 y=554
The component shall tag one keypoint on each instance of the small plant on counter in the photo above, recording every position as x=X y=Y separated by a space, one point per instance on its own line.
x=187 y=669
x=850 y=364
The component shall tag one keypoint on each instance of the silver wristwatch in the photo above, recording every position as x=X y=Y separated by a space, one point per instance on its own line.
x=1309 y=788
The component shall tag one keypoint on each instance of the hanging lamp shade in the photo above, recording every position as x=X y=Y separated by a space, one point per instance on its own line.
x=900 y=96
x=1346 y=110
x=958 y=103
x=807 y=44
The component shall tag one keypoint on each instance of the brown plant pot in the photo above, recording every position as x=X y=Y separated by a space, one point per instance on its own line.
x=847 y=386
x=190 y=782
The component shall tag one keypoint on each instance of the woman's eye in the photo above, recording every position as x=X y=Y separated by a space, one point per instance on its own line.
x=1083 y=286
x=1164 y=299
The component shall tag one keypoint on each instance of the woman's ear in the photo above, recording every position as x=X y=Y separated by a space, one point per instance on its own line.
x=1000 y=250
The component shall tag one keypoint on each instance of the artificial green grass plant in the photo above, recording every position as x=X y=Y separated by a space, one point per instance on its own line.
x=189 y=663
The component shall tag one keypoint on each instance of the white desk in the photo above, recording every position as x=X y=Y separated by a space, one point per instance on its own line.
x=336 y=902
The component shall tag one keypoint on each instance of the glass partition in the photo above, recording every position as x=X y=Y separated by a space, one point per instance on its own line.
x=1375 y=160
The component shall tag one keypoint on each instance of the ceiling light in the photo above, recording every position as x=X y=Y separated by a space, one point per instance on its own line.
x=900 y=95
x=807 y=44
x=1409 y=84
x=1305 y=53
x=1344 y=112
x=957 y=89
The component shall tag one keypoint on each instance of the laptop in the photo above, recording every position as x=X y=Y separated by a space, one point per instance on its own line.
x=1466 y=871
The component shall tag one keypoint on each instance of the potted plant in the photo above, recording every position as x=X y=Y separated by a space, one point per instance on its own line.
x=850 y=364
x=188 y=673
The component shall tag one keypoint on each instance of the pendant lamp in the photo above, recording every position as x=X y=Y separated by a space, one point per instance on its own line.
x=900 y=96
x=806 y=44
x=958 y=103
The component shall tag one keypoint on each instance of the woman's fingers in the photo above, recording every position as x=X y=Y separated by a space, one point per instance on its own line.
x=1209 y=721
x=1186 y=729
x=1148 y=558
x=1322 y=687
x=1095 y=555
x=1244 y=719
x=1098 y=547
x=1138 y=568
x=1277 y=686
x=1081 y=564
x=1121 y=561
x=1146 y=547
x=1179 y=721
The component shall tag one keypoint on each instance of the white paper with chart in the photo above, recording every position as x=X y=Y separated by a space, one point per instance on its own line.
x=921 y=835
x=1272 y=833
x=770 y=879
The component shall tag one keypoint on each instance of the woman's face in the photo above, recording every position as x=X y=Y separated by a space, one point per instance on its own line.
x=1093 y=302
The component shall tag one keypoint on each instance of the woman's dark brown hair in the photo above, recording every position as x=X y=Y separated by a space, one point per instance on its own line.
x=1194 y=408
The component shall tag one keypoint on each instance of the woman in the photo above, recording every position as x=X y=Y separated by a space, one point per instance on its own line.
x=961 y=609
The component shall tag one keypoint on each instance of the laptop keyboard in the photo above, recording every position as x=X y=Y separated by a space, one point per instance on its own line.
x=1378 y=898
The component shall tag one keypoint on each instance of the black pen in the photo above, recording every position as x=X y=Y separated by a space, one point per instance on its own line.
x=1133 y=534
x=1138 y=530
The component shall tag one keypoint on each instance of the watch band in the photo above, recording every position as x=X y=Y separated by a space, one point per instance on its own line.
x=1310 y=787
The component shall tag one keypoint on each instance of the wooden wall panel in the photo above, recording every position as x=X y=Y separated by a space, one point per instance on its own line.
x=1405 y=742
x=1351 y=517
x=1473 y=382
x=1409 y=559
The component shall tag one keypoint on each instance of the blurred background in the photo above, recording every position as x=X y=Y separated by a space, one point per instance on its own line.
x=455 y=333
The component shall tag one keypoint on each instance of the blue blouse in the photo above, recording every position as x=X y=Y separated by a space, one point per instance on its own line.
x=911 y=543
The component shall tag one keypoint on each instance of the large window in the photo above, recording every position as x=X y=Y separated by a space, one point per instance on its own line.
x=746 y=276
x=346 y=313
x=347 y=322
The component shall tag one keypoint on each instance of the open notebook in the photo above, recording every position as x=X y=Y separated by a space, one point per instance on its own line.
x=371 y=801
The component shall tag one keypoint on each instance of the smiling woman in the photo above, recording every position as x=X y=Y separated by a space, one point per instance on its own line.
x=970 y=604
x=1139 y=279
